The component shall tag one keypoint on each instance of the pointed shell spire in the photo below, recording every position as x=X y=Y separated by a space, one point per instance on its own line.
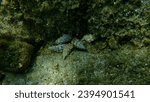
x=63 y=39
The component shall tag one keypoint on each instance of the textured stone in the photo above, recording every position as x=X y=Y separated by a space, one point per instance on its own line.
x=15 y=55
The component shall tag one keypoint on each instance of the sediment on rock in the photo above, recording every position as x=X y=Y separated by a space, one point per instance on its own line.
x=15 y=55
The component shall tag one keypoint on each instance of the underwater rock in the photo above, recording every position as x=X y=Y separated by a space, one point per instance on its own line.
x=127 y=65
x=16 y=55
x=63 y=39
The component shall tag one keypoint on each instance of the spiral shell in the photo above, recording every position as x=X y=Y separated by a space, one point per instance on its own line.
x=67 y=50
x=78 y=44
x=63 y=39
x=57 y=48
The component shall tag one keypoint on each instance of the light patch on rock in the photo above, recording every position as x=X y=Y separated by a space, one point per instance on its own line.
x=88 y=38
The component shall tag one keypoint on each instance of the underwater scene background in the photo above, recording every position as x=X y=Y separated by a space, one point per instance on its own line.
x=73 y=42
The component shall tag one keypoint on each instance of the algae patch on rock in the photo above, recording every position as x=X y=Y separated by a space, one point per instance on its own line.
x=15 y=55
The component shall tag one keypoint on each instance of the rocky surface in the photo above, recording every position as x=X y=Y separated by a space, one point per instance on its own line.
x=127 y=65
x=15 y=55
